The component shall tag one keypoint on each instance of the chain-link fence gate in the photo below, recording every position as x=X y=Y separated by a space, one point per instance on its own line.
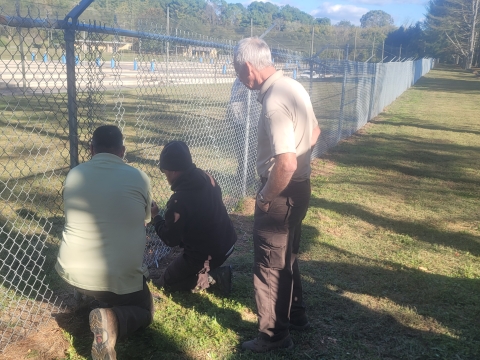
x=60 y=79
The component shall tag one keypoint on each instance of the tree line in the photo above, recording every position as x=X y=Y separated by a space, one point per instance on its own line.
x=450 y=30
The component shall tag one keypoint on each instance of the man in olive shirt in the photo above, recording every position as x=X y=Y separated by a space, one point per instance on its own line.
x=287 y=131
x=106 y=205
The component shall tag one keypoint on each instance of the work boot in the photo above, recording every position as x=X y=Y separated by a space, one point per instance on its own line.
x=222 y=278
x=104 y=325
x=261 y=345
x=299 y=325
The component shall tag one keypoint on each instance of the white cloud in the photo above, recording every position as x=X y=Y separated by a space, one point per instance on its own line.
x=338 y=12
x=387 y=2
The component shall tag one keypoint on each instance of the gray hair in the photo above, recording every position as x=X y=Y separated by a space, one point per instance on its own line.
x=253 y=50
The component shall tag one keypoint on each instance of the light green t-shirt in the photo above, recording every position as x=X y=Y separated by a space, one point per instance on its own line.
x=106 y=205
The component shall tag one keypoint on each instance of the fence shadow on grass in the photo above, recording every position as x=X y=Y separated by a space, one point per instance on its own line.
x=422 y=124
x=377 y=309
x=456 y=240
x=470 y=85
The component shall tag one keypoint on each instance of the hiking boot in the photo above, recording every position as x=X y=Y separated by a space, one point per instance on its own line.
x=104 y=325
x=299 y=325
x=222 y=278
x=261 y=345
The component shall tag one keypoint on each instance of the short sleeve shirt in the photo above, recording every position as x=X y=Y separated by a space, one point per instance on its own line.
x=106 y=206
x=286 y=125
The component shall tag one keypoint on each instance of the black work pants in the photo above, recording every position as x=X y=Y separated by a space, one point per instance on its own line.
x=276 y=276
x=187 y=273
x=133 y=311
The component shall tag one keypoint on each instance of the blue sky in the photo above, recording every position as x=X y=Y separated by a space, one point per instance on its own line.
x=403 y=11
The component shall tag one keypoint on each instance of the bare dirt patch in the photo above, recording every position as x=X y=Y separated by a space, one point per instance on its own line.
x=46 y=343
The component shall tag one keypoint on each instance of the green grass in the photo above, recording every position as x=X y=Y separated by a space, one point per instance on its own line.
x=390 y=251
x=391 y=243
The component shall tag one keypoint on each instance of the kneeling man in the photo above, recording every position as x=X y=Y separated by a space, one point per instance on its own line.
x=196 y=220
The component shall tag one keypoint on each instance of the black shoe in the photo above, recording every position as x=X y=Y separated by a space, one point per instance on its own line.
x=222 y=278
x=299 y=323
x=261 y=345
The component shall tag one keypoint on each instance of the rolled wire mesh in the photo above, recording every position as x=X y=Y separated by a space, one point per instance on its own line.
x=157 y=85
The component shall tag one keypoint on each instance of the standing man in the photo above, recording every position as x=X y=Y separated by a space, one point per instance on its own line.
x=196 y=220
x=287 y=131
x=106 y=205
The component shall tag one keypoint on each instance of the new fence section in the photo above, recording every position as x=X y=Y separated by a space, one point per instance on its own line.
x=61 y=79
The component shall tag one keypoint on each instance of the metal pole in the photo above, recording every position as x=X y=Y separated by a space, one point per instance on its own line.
x=168 y=43
x=383 y=49
x=72 y=95
x=251 y=27
x=342 y=102
x=22 y=54
x=245 y=153
x=355 y=48
x=373 y=45
x=311 y=45
x=69 y=36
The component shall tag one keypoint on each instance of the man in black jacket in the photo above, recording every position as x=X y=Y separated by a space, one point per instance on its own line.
x=196 y=220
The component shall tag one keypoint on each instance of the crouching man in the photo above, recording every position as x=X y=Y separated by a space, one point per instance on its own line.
x=106 y=205
x=196 y=220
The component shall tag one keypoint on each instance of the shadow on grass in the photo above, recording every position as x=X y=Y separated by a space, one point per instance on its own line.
x=431 y=235
x=378 y=310
x=422 y=124
x=148 y=343
x=470 y=85
x=358 y=307
x=410 y=155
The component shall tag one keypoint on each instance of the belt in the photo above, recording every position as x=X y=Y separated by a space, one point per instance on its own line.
x=264 y=180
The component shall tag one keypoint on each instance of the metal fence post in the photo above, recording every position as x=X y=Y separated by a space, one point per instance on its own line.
x=247 y=140
x=72 y=94
x=342 y=101
x=69 y=36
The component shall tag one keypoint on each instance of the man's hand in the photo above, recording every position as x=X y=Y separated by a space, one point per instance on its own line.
x=154 y=209
x=261 y=203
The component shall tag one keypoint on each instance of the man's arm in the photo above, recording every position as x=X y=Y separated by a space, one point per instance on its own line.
x=170 y=230
x=315 y=135
x=280 y=176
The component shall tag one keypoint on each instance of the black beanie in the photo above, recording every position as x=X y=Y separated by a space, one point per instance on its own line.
x=175 y=156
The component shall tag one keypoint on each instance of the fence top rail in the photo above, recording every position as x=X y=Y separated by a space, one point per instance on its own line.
x=28 y=22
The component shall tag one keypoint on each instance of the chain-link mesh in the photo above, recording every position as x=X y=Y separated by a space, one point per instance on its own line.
x=157 y=85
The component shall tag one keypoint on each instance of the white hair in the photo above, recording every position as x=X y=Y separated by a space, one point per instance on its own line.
x=253 y=50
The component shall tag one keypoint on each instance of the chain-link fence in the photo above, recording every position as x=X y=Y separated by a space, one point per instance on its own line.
x=60 y=79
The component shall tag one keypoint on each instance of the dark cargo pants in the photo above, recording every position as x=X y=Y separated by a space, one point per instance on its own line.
x=133 y=311
x=187 y=273
x=276 y=276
